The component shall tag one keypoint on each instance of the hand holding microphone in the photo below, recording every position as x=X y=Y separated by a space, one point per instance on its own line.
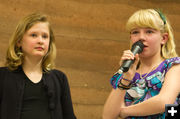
x=137 y=48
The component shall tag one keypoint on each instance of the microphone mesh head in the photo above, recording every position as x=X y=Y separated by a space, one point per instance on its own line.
x=140 y=44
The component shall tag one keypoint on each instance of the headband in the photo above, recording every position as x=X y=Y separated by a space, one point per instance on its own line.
x=161 y=15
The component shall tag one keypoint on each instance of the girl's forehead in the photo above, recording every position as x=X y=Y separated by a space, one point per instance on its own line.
x=143 y=28
x=41 y=26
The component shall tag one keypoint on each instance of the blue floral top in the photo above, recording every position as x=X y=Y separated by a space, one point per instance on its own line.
x=149 y=86
x=146 y=86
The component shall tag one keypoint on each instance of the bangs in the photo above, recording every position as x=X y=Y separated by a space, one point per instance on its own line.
x=144 y=19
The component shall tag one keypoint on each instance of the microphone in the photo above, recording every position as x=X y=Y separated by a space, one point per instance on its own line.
x=137 y=47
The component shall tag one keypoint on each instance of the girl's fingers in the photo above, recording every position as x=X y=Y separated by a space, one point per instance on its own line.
x=127 y=54
x=135 y=58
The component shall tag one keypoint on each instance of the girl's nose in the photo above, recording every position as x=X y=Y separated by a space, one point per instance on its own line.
x=142 y=36
x=40 y=40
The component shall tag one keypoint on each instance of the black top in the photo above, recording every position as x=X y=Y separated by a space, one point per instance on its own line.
x=13 y=91
x=35 y=101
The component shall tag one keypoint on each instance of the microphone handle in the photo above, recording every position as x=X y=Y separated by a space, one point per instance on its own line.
x=125 y=66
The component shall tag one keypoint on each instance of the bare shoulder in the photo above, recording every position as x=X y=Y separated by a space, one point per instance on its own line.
x=175 y=69
x=172 y=76
x=171 y=84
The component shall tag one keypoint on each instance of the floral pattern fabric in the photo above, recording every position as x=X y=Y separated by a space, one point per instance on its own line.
x=149 y=86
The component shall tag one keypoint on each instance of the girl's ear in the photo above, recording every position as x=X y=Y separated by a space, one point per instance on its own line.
x=164 y=38
x=18 y=44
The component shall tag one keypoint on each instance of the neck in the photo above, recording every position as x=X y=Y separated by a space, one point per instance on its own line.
x=32 y=65
x=148 y=64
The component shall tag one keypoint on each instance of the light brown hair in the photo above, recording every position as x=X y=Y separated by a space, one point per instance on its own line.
x=14 y=57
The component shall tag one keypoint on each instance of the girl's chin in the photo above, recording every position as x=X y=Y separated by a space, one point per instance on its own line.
x=37 y=55
x=143 y=54
x=40 y=54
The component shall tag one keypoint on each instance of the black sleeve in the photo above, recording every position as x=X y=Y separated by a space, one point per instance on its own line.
x=0 y=92
x=66 y=102
x=67 y=106
x=1 y=86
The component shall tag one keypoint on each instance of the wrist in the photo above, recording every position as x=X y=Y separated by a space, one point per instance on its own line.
x=128 y=76
x=124 y=83
x=118 y=81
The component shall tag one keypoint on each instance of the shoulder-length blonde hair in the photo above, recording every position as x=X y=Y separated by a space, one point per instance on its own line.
x=14 y=57
x=154 y=19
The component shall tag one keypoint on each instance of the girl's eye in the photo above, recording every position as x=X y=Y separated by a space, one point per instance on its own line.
x=134 y=32
x=149 y=31
x=45 y=36
x=33 y=35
